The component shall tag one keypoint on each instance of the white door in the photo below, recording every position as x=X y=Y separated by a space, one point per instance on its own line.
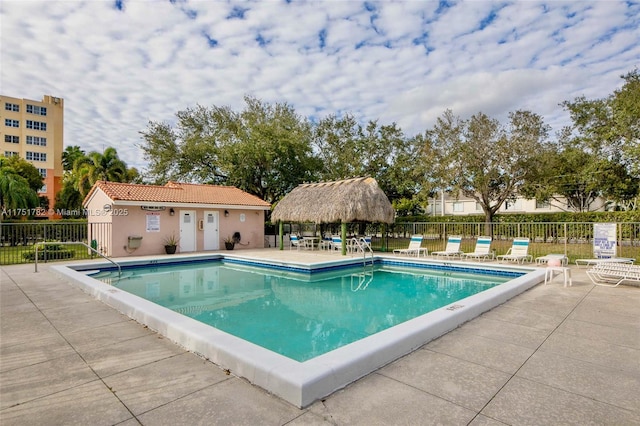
x=187 y=231
x=211 y=232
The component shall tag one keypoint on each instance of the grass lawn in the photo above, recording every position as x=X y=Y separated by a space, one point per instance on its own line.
x=16 y=255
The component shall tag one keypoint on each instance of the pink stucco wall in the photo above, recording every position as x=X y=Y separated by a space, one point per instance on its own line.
x=128 y=220
x=96 y=216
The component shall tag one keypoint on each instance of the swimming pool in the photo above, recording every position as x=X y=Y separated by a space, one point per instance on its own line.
x=301 y=383
x=297 y=314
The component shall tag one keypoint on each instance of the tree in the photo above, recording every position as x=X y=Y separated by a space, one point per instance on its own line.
x=96 y=166
x=85 y=171
x=576 y=177
x=481 y=159
x=69 y=157
x=68 y=199
x=161 y=151
x=264 y=149
x=191 y=150
x=26 y=170
x=347 y=149
x=16 y=190
x=607 y=132
x=610 y=127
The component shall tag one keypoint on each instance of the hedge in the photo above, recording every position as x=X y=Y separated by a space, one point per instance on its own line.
x=574 y=217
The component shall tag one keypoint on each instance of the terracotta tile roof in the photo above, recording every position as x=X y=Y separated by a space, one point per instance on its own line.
x=178 y=193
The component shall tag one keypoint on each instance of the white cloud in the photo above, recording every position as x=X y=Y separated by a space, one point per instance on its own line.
x=118 y=69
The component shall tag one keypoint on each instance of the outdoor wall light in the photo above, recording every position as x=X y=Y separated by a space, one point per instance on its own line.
x=226 y=213
x=172 y=212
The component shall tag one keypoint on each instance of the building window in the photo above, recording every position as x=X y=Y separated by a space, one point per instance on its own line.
x=11 y=139
x=458 y=207
x=11 y=123
x=36 y=140
x=10 y=154
x=37 y=125
x=36 y=156
x=11 y=107
x=542 y=204
x=43 y=173
x=513 y=205
x=35 y=109
x=43 y=189
x=478 y=207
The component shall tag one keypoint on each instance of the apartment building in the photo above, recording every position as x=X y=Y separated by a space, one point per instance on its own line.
x=34 y=130
x=463 y=206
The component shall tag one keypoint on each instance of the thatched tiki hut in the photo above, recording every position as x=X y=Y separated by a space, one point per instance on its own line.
x=349 y=200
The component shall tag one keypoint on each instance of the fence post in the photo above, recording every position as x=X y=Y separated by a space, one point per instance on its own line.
x=618 y=239
x=44 y=246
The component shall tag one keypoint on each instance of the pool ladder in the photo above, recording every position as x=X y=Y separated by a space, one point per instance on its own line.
x=366 y=276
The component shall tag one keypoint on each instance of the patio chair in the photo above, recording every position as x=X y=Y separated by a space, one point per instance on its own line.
x=482 y=250
x=452 y=249
x=325 y=243
x=336 y=243
x=297 y=242
x=518 y=252
x=414 y=247
x=612 y=274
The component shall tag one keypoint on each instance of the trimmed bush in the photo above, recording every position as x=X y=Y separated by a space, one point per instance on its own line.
x=51 y=252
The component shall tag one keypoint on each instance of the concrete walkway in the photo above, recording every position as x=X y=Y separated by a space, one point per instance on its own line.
x=550 y=356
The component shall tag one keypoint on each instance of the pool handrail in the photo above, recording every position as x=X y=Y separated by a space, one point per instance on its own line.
x=74 y=242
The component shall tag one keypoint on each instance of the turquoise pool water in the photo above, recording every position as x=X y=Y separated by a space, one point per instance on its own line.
x=299 y=315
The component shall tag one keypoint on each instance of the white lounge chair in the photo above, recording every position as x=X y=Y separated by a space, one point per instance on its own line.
x=414 y=247
x=613 y=274
x=595 y=261
x=482 y=250
x=452 y=249
x=519 y=251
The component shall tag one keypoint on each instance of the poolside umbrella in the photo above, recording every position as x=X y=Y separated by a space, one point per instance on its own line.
x=349 y=200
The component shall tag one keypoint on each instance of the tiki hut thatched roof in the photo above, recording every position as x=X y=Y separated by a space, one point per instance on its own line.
x=350 y=200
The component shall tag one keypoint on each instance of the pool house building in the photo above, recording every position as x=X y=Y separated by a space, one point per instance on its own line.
x=130 y=219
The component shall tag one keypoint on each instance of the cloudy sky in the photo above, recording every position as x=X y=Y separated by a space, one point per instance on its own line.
x=119 y=64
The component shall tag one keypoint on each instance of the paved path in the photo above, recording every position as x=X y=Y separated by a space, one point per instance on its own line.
x=550 y=356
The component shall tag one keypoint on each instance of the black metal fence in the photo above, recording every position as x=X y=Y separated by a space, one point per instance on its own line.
x=18 y=239
x=574 y=239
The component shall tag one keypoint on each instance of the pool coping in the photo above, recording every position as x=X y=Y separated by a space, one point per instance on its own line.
x=302 y=383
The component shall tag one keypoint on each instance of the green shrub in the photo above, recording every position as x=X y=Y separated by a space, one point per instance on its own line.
x=579 y=217
x=51 y=252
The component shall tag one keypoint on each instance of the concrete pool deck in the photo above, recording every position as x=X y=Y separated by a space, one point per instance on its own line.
x=552 y=355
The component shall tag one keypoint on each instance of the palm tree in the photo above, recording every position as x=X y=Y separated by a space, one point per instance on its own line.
x=15 y=192
x=94 y=167
x=70 y=155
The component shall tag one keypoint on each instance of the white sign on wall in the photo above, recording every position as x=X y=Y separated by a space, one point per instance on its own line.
x=153 y=222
